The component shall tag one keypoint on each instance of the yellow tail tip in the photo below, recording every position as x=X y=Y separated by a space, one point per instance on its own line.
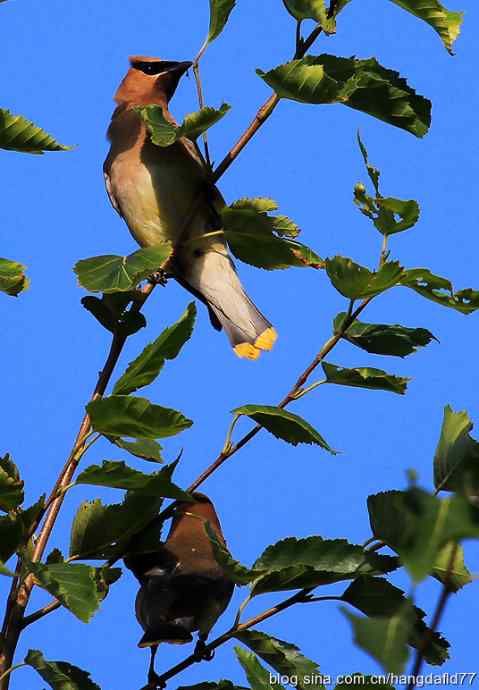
x=247 y=351
x=267 y=339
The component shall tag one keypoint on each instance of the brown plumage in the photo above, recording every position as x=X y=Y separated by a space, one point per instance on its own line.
x=154 y=189
x=183 y=588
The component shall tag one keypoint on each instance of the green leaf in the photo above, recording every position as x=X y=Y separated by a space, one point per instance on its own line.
x=12 y=277
x=262 y=204
x=112 y=273
x=60 y=675
x=271 y=252
x=312 y=9
x=164 y=133
x=11 y=486
x=100 y=531
x=284 y=425
x=297 y=563
x=440 y=290
x=450 y=569
x=145 y=368
x=383 y=339
x=122 y=415
x=251 y=216
x=384 y=638
x=236 y=572
x=447 y=24
x=418 y=525
x=258 y=677
x=73 y=584
x=356 y=282
x=360 y=84
x=144 y=448
x=376 y=597
x=456 y=461
x=364 y=377
x=195 y=124
x=5 y=571
x=112 y=313
x=220 y=11
x=11 y=536
x=19 y=134
x=374 y=173
x=407 y=210
x=118 y=475
x=284 y=657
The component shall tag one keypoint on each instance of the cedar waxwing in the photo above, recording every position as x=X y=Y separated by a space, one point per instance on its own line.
x=183 y=588
x=154 y=189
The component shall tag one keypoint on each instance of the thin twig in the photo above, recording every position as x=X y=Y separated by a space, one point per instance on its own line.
x=201 y=101
x=44 y=611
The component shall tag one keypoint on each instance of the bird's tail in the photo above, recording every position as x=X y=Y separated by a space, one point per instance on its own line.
x=212 y=277
x=166 y=632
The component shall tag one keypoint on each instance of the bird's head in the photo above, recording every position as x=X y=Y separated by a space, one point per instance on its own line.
x=150 y=81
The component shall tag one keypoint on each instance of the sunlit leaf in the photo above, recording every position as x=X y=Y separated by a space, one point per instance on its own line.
x=374 y=173
x=284 y=657
x=360 y=84
x=146 y=367
x=456 y=461
x=312 y=9
x=12 y=277
x=440 y=290
x=284 y=425
x=355 y=281
x=195 y=124
x=19 y=134
x=118 y=475
x=446 y=23
x=5 y=571
x=60 y=675
x=270 y=252
x=125 y=415
x=364 y=377
x=384 y=339
x=11 y=486
x=450 y=569
x=165 y=133
x=111 y=273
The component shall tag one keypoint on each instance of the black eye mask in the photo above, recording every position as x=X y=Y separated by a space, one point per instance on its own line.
x=153 y=67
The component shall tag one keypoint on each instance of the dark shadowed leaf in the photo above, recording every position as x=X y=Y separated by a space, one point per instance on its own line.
x=364 y=377
x=446 y=23
x=19 y=134
x=284 y=425
x=236 y=572
x=12 y=277
x=360 y=84
x=11 y=535
x=440 y=290
x=5 y=571
x=374 y=173
x=284 y=657
x=384 y=339
x=258 y=677
x=355 y=281
x=73 y=584
x=121 y=415
x=456 y=461
x=112 y=273
x=60 y=675
x=144 y=448
x=377 y=597
x=99 y=531
x=220 y=11
x=145 y=368
x=11 y=486
x=383 y=638
x=164 y=133
x=112 y=313
x=312 y=9
x=418 y=525
x=118 y=475
x=296 y=563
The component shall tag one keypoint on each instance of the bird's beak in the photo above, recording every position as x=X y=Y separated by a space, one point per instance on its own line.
x=179 y=68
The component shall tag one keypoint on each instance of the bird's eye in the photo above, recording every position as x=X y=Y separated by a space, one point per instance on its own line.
x=153 y=67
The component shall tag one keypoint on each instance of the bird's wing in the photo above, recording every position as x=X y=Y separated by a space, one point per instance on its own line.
x=109 y=191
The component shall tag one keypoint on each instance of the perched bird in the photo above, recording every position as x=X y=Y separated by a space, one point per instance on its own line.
x=155 y=188
x=183 y=588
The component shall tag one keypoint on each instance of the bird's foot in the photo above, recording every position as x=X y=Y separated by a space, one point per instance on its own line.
x=158 y=278
x=154 y=682
x=201 y=653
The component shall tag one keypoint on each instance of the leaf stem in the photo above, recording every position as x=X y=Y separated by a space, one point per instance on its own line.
x=10 y=670
x=201 y=101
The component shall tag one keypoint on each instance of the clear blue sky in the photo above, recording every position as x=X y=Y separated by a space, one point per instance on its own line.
x=61 y=63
